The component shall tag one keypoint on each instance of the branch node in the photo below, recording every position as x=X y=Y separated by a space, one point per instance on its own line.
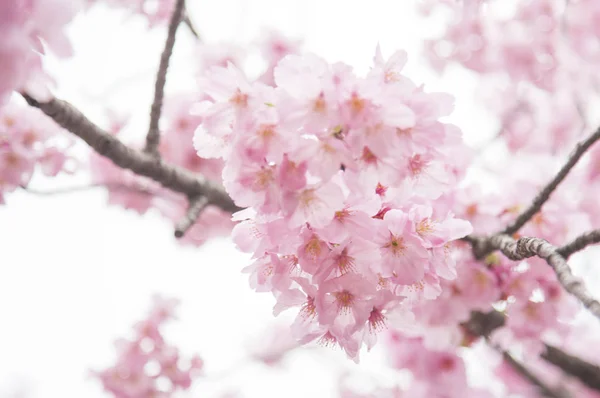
x=527 y=247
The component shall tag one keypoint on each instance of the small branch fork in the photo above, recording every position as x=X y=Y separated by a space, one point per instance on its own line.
x=153 y=137
x=191 y=27
x=543 y=388
x=481 y=324
x=195 y=207
x=168 y=175
x=526 y=247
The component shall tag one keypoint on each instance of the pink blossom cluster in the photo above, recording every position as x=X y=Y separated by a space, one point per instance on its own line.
x=340 y=176
x=536 y=306
x=527 y=291
x=538 y=70
x=27 y=28
x=28 y=140
x=525 y=45
x=541 y=57
x=147 y=366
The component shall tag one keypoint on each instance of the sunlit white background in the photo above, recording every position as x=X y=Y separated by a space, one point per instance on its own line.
x=76 y=274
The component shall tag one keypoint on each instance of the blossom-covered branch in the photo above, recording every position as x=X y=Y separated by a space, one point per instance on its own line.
x=172 y=177
x=545 y=193
x=153 y=137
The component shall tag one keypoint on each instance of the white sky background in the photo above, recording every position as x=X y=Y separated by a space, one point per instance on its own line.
x=76 y=274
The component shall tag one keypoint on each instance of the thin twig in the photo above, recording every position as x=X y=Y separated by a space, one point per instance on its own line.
x=586 y=372
x=190 y=25
x=168 y=175
x=194 y=210
x=522 y=370
x=545 y=193
x=153 y=137
x=527 y=247
x=579 y=243
x=483 y=324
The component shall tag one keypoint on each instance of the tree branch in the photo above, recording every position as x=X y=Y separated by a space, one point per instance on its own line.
x=528 y=247
x=483 y=324
x=586 y=372
x=579 y=243
x=196 y=205
x=543 y=388
x=545 y=193
x=169 y=176
x=153 y=137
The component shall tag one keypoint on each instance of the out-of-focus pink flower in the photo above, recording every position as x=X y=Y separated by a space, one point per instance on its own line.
x=144 y=363
x=29 y=140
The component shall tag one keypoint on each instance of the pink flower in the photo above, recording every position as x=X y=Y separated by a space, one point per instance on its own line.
x=253 y=185
x=355 y=255
x=312 y=251
x=141 y=362
x=28 y=140
x=355 y=219
x=402 y=254
x=274 y=47
x=389 y=71
x=527 y=319
x=345 y=301
x=22 y=25
x=433 y=233
x=377 y=322
x=269 y=273
x=315 y=205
